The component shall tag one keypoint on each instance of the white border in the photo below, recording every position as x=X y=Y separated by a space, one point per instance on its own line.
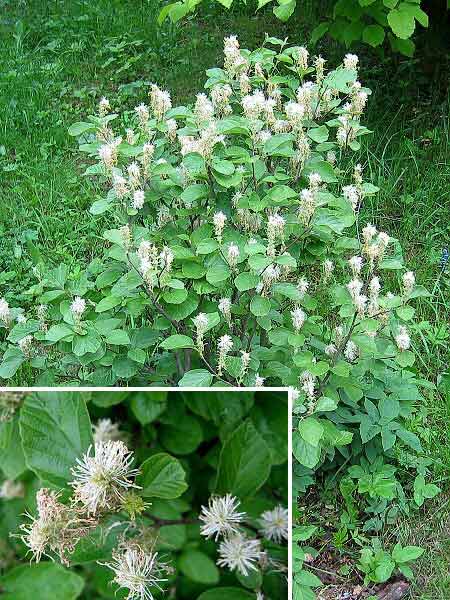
x=197 y=389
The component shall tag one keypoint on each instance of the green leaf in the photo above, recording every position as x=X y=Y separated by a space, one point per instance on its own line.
x=407 y=553
x=147 y=406
x=79 y=128
x=43 y=581
x=260 y=306
x=319 y=134
x=82 y=344
x=196 y=378
x=162 y=476
x=218 y=272
x=175 y=296
x=306 y=454
x=423 y=490
x=311 y=430
x=373 y=35
x=285 y=9
x=401 y=22
x=101 y=206
x=177 y=341
x=244 y=463
x=21 y=330
x=318 y=32
x=108 y=303
x=301 y=533
x=325 y=404
x=56 y=430
x=12 y=360
x=182 y=437
x=406 y=358
x=12 y=459
x=118 y=337
x=246 y=281
x=198 y=567
x=58 y=332
x=207 y=246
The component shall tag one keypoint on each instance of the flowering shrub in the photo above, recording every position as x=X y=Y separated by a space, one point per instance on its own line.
x=148 y=495
x=236 y=254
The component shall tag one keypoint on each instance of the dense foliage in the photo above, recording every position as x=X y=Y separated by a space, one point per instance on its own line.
x=350 y=21
x=233 y=258
x=133 y=487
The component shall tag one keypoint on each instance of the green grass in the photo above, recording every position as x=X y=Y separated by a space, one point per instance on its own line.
x=58 y=58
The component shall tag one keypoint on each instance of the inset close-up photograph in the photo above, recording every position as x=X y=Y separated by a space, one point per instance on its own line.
x=225 y=204
x=144 y=495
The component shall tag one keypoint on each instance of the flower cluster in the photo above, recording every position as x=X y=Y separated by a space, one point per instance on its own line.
x=222 y=521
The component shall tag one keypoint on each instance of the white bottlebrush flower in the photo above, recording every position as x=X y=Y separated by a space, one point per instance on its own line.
x=238 y=553
x=259 y=381
x=233 y=254
x=275 y=229
x=298 y=318
x=274 y=524
x=302 y=286
x=56 y=529
x=219 y=220
x=271 y=274
x=328 y=268
x=143 y=114
x=308 y=384
x=224 y=346
x=105 y=430
x=383 y=239
x=131 y=137
x=302 y=55
x=331 y=156
x=295 y=113
x=360 y=305
x=314 y=181
x=160 y=101
x=409 y=282
x=245 y=361
x=402 y=339
x=351 y=61
x=100 y=480
x=120 y=186
x=225 y=307
x=356 y=263
x=78 y=307
x=351 y=351
x=203 y=110
x=26 y=345
x=307 y=205
x=351 y=193
x=374 y=288
x=138 y=571
x=138 y=199
x=221 y=517
x=103 y=106
x=5 y=312
x=21 y=318
x=201 y=323
x=368 y=233
x=166 y=258
x=330 y=350
x=354 y=288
